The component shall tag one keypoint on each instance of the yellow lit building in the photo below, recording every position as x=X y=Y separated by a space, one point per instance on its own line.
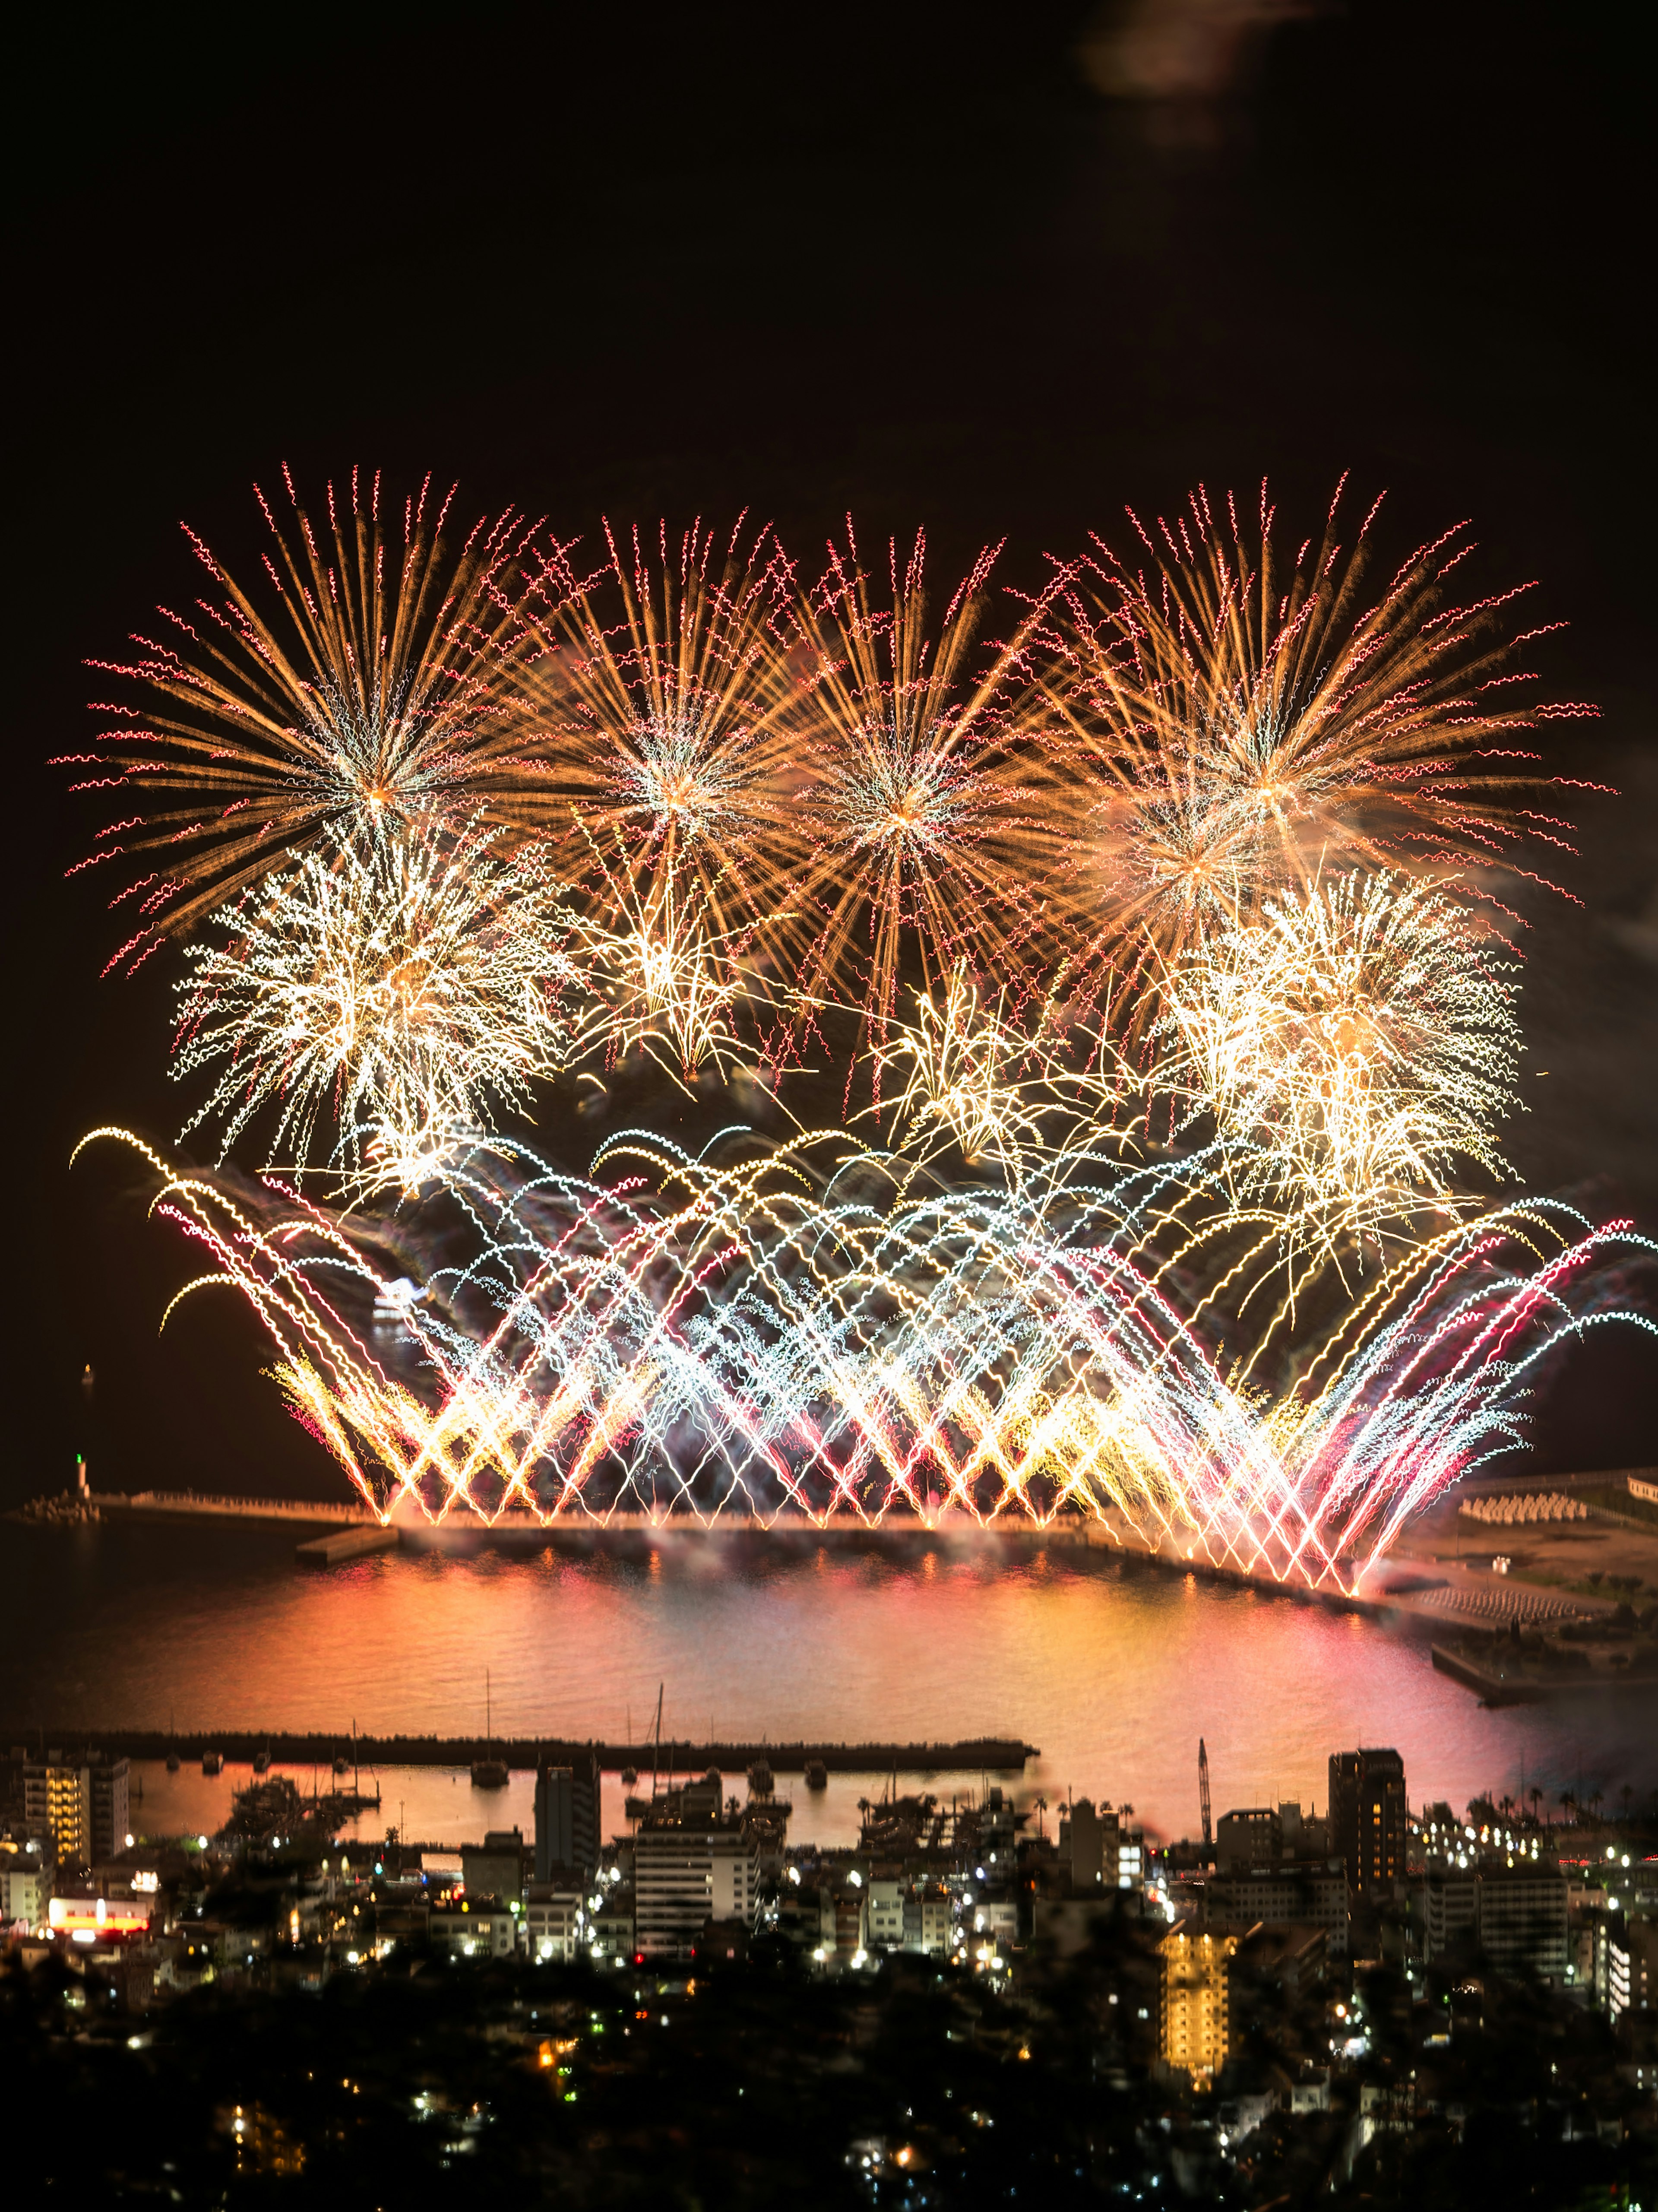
x=82 y=1803
x=1195 y=2018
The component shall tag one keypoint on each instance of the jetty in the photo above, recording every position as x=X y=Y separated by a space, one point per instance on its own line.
x=319 y=1748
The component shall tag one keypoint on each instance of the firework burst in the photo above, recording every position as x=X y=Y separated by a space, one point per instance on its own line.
x=928 y=834
x=662 y=695
x=404 y=985
x=1358 y=1037
x=368 y=685
x=1236 y=726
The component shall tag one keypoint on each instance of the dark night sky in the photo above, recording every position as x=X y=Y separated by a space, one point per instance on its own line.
x=993 y=272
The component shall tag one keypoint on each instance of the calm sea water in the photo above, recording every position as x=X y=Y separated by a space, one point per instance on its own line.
x=1113 y=1672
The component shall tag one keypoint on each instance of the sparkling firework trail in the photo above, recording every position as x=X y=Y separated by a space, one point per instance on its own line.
x=785 y=1336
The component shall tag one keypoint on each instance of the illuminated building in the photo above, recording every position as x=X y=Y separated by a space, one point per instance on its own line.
x=567 y=1818
x=1096 y=1851
x=1194 y=2023
x=1368 y=1818
x=886 y=1911
x=688 y=1872
x=553 y=1921
x=1624 y=1968
x=694 y=1862
x=81 y=1803
x=98 y=1919
x=466 y=1934
x=926 y=1918
x=261 y=2145
x=25 y=1886
x=1130 y=1858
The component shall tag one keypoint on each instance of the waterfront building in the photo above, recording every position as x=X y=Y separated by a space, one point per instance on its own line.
x=611 y=1928
x=81 y=1803
x=993 y=1920
x=886 y=1891
x=1194 y=2018
x=844 y=1916
x=567 y=1818
x=1367 y=1822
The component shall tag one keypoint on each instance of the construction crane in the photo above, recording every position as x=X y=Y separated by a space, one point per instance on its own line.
x=1203 y=1794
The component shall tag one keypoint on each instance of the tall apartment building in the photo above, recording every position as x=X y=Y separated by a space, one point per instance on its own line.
x=82 y=1803
x=1367 y=1820
x=568 y=1829
x=1516 y=1915
x=688 y=1872
x=1194 y=2018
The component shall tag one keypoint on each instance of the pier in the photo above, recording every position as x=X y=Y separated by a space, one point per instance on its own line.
x=238 y=1746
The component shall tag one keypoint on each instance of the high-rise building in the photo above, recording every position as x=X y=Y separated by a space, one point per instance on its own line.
x=1367 y=1820
x=80 y=1802
x=567 y=1832
x=688 y=1872
x=1195 y=2021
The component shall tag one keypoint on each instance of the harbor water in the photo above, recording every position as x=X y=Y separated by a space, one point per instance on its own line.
x=1113 y=1670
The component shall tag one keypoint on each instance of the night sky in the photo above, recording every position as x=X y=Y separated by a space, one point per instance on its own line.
x=996 y=273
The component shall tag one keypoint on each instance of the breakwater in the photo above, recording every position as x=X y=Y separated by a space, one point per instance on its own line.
x=988 y=1754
